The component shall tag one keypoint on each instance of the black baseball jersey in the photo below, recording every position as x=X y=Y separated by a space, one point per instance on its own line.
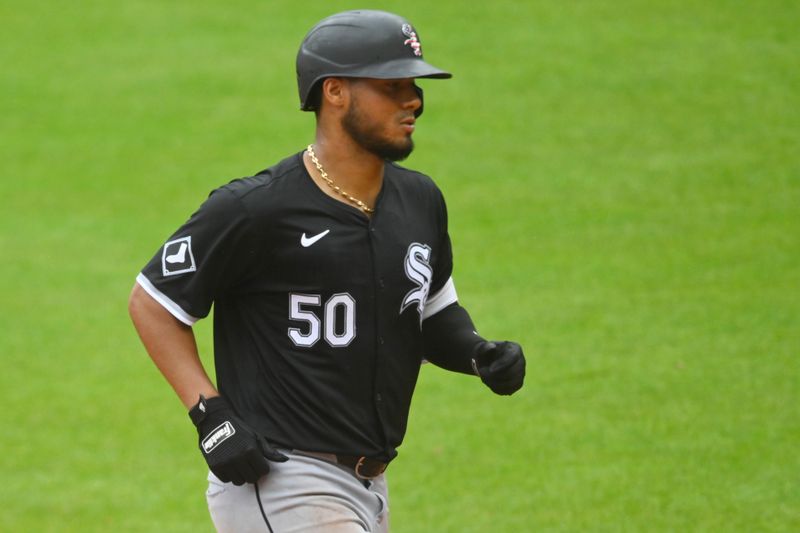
x=317 y=308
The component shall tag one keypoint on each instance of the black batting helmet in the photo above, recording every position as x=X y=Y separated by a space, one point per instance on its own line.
x=360 y=44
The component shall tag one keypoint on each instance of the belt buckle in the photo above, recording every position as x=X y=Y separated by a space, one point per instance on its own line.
x=357 y=469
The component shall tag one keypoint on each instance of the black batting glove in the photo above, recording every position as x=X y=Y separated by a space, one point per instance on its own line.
x=500 y=365
x=233 y=451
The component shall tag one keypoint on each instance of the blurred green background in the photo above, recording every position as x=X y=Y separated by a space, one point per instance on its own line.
x=623 y=180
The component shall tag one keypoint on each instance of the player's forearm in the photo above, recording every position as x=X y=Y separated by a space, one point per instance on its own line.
x=451 y=342
x=450 y=339
x=172 y=347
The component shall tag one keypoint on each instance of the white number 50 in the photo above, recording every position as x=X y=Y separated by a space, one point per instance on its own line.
x=337 y=335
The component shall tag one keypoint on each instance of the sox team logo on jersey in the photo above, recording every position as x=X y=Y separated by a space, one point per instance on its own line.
x=177 y=257
x=418 y=270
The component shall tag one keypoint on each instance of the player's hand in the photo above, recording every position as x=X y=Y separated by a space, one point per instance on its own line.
x=500 y=365
x=233 y=451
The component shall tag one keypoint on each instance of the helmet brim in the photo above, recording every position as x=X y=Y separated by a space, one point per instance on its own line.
x=395 y=69
x=398 y=69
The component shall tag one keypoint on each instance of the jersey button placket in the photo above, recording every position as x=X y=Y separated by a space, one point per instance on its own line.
x=377 y=288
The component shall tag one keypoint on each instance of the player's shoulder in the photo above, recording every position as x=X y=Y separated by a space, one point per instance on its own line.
x=410 y=176
x=412 y=180
x=258 y=185
x=260 y=195
x=417 y=188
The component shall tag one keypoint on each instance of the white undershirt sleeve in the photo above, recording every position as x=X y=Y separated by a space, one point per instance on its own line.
x=444 y=297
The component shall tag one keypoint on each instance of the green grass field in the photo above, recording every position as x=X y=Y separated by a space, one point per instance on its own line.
x=623 y=181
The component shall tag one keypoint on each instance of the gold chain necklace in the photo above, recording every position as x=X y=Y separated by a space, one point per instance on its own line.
x=361 y=205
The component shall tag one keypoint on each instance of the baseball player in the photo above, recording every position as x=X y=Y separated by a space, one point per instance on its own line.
x=331 y=278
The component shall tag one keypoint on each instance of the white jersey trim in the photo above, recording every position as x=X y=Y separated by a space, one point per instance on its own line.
x=165 y=301
x=446 y=296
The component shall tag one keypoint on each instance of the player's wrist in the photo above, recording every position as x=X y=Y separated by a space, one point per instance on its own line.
x=479 y=354
x=206 y=406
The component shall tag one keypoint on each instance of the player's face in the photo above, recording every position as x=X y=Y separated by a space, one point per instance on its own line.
x=381 y=116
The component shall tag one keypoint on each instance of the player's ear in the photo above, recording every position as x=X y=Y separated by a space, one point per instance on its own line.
x=336 y=92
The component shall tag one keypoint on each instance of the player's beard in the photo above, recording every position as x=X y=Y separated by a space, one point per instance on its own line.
x=368 y=136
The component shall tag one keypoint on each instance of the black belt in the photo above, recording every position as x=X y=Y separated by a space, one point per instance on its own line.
x=362 y=467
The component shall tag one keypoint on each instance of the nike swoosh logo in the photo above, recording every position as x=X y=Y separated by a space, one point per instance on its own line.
x=180 y=255
x=308 y=241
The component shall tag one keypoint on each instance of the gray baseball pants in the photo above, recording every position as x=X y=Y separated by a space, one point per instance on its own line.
x=303 y=495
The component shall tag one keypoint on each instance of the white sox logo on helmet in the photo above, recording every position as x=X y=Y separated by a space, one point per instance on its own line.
x=418 y=270
x=412 y=40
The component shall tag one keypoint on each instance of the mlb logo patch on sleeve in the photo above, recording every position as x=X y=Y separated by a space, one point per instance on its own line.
x=177 y=257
